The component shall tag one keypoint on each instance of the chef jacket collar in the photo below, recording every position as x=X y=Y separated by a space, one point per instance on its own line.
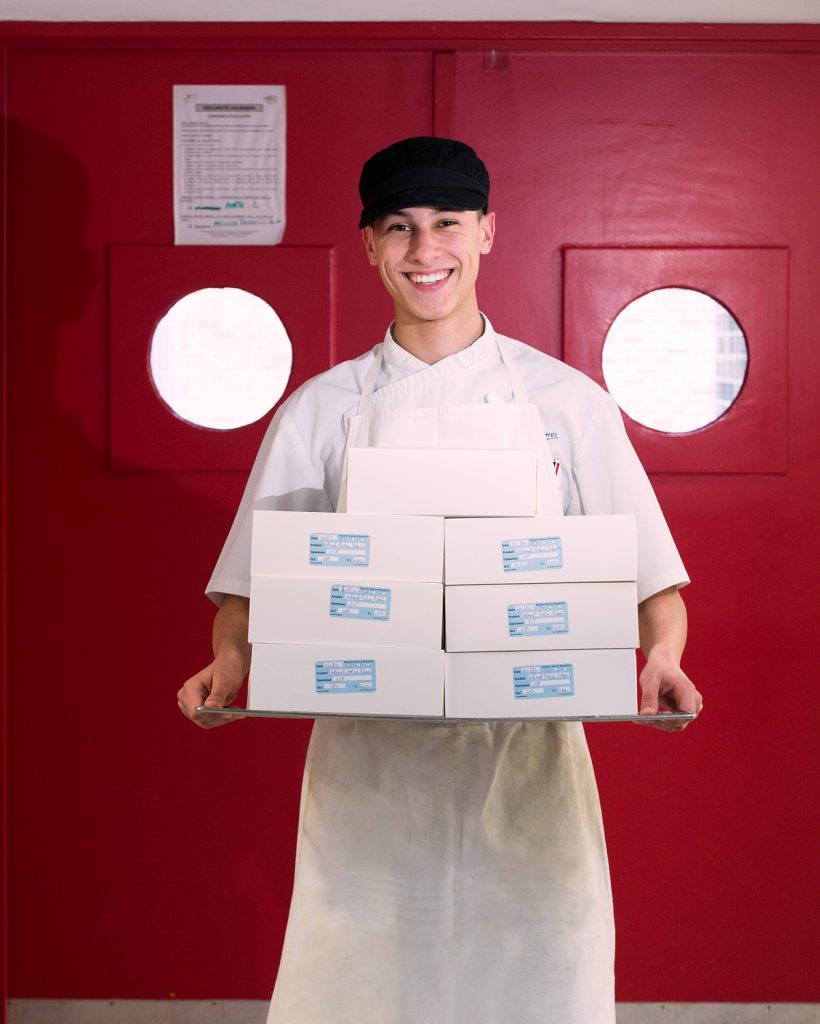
x=480 y=350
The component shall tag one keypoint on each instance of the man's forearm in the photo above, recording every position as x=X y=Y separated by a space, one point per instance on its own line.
x=662 y=624
x=230 y=632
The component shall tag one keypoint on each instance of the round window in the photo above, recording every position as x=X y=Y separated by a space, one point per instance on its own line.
x=220 y=358
x=675 y=359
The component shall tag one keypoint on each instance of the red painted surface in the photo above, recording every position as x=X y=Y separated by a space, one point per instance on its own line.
x=149 y=859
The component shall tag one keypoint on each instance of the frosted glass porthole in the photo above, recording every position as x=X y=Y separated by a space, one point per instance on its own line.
x=675 y=359
x=220 y=358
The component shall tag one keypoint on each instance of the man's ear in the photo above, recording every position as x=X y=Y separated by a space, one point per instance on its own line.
x=487 y=226
x=369 y=245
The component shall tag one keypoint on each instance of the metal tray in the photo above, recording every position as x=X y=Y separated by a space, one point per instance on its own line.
x=671 y=716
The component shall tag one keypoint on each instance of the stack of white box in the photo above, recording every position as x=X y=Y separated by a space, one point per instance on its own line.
x=346 y=609
x=346 y=614
x=541 y=617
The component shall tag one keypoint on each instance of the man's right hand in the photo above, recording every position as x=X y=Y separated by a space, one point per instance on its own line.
x=217 y=685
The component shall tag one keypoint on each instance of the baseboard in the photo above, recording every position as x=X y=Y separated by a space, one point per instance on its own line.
x=137 y=1011
x=249 y=1011
x=718 y=1013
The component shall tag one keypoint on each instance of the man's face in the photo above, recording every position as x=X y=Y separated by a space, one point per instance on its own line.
x=428 y=260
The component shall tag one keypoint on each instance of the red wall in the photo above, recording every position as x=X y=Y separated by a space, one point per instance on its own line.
x=148 y=859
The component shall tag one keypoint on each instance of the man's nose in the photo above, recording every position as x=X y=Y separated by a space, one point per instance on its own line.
x=423 y=245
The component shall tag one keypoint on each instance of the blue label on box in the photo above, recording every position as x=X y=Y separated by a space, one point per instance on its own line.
x=538 y=618
x=340 y=549
x=532 y=682
x=349 y=601
x=532 y=554
x=354 y=675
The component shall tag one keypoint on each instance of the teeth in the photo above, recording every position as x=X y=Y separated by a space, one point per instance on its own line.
x=429 y=278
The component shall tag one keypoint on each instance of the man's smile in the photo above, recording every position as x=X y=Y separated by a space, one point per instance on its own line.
x=432 y=277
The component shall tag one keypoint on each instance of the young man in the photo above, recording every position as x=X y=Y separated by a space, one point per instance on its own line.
x=448 y=873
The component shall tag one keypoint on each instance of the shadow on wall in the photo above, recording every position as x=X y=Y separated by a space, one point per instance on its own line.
x=138 y=844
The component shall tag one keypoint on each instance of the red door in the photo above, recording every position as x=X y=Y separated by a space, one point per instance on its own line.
x=141 y=849
x=615 y=174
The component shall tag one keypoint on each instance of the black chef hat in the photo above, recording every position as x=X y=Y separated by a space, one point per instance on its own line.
x=423 y=171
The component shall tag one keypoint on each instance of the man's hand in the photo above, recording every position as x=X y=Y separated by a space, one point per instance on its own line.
x=664 y=685
x=217 y=685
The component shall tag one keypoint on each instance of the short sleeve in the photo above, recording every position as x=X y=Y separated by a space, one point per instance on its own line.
x=282 y=479
x=610 y=480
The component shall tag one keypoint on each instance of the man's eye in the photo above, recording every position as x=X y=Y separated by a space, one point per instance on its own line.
x=398 y=227
x=447 y=223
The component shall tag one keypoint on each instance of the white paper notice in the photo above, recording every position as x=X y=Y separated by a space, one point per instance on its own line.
x=229 y=164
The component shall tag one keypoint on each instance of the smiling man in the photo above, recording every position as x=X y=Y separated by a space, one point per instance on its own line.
x=447 y=873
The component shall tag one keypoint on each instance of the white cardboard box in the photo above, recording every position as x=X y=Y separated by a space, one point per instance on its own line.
x=308 y=679
x=354 y=547
x=546 y=549
x=540 y=684
x=441 y=481
x=540 y=616
x=379 y=614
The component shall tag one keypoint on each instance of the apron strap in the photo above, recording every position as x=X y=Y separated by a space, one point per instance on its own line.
x=518 y=387
x=370 y=383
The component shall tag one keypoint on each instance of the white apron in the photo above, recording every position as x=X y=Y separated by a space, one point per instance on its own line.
x=448 y=874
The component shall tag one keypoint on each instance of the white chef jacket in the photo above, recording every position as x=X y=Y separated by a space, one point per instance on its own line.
x=299 y=464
